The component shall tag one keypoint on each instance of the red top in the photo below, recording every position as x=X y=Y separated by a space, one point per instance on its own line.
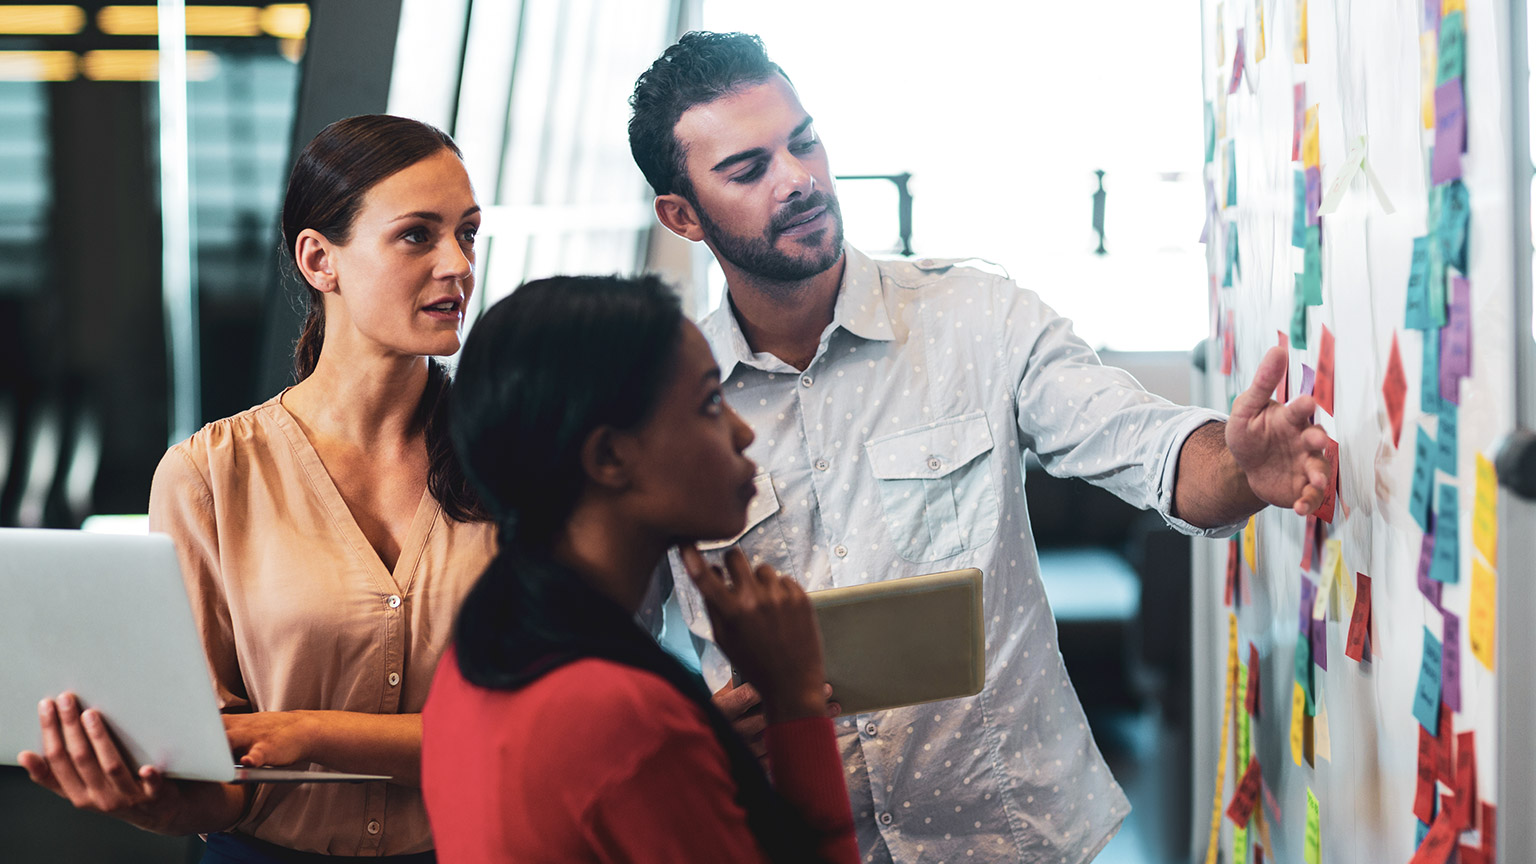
x=597 y=761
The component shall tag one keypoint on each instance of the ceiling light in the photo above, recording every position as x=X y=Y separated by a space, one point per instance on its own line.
x=286 y=20
x=143 y=65
x=38 y=66
x=42 y=20
x=201 y=20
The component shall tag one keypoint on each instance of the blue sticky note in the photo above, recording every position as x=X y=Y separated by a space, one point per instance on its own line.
x=1232 y=262
x=1419 y=832
x=1312 y=273
x=1299 y=319
x=1304 y=672
x=1452 y=56
x=1446 y=436
x=1446 y=566
x=1299 y=216
x=1451 y=226
x=1418 y=317
x=1429 y=384
x=1232 y=173
x=1426 y=697
x=1419 y=499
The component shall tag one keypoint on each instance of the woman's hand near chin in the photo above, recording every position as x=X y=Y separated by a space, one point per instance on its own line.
x=764 y=622
x=82 y=763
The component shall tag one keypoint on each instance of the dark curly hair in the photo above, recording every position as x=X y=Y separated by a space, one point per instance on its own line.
x=699 y=69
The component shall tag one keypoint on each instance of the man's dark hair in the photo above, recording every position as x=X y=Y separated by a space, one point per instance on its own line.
x=700 y=68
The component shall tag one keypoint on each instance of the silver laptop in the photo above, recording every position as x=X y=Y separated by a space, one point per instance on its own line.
x=107 y=618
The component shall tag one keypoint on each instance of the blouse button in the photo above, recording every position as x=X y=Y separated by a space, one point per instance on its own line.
x=394 y=679
x=806 y=380
x=821 y=465
x=840 y=551
x=935 y=463
x=373 y=826
x=394 y=601
x=885 y=818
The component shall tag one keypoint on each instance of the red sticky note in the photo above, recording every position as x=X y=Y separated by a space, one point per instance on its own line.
x=1445 y=750
x=1258 y=854
x=1325 y=512
x=1282 y=392
x=1324 y=387
x=1424 y=793
x=1228 y=346
x=1308 y=543
x=1438 y=843
x=1466 y=781
x=1246 y=795
x=1233 y=564
x=1356 y=647
x=1470 y=855
x=1253 y=680
x=1490 y=832
x=1237 y=64
x=1394 y=390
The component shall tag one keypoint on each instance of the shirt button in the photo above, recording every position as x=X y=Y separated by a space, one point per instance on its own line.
x=935 y=463
x=394 y=679
x=806 y=380
x=393 y=601
x=871 y=729
x=373 y=825
x=885 y=818
x=840 y=550
x=821 y=465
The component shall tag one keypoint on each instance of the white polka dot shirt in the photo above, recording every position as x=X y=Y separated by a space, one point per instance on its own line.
x=898 y=451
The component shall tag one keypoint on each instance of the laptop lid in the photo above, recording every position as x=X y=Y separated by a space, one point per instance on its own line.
x=107 y=617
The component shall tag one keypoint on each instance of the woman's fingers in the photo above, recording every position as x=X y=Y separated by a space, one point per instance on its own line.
x=60 y=766
x=108 y=756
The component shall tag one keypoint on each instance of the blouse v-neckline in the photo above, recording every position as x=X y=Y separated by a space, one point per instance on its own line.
x=411 y=546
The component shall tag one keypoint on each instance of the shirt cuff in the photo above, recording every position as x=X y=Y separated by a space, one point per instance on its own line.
x=1194 y=419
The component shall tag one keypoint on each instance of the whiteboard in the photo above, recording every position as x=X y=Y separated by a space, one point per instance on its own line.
x=1363 y=74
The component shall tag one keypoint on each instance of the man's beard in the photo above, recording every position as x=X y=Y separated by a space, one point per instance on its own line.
x=757 y=256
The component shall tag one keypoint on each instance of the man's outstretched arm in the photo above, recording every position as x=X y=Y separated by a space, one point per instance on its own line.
x=1267 y=453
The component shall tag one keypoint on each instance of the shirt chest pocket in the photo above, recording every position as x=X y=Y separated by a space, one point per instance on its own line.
x=936 y=486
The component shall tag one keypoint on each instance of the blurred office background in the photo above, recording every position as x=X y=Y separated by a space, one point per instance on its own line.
x=140 y=295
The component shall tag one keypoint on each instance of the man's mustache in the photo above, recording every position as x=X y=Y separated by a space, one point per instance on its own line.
x=795 y=209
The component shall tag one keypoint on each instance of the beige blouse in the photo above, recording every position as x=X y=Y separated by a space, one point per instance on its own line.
x=297 y=611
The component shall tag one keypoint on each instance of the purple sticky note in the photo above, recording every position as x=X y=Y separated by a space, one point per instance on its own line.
x=1450 y=132
x=1308 y=598
x=1320 y=642
x=1456 y=341
x=1300 y=123
x=1432 y=15
x=1450 y=663
x=1429 y=587
x=1308 y=380
x=1314 y=193
x=1237 y=63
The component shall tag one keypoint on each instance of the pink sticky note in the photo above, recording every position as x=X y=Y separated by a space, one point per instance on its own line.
x=1301 y=121
x=1450 y=132
x=1237 y=63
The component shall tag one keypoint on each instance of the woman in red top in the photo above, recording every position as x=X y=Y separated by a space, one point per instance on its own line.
x=588 y=414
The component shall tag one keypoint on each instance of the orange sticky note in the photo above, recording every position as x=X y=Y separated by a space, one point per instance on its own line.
x=1323 y=388
x=1480 y=623
x=1394 y=390
x=1251 y=543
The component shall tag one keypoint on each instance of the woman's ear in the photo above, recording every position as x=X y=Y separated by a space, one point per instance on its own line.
x=603 y=459
x=316 y=260
x=679 y=215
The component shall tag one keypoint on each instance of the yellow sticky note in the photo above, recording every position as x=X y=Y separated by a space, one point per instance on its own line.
x=1258 y=48
x=1320 y=742
x=1298 y=715
x=1251 y=543
x=1314 y=847
x=1480 y=626
x=1429 y=53
x=1449 y=6
x=1226 y=719
x=1310 y=148
x=1221 y=34
x=1221 y=107
x=1485 y=512
x=1299 y=52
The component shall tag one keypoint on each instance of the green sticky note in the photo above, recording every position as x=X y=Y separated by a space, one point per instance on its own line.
x=1239 y=846
x=1242 y=716
x=1299 y=317
x=1304 y=672
x=1312 y=273
x=1299 y=219
x=1210 y=133
x=1418 y=317
x=1453 y=48
x=1314 y=849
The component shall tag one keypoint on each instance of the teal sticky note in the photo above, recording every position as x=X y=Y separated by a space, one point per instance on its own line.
x=1232 y=265
x=1312 y=272
x=1232 y=173
x=1426 y=697
x=1451 y=225
x=1419 y=499
x=1419 y=832
x=1446 y=565
x=1446 y=436
x=1452 y=57
x=1429 y=385
x=1299 y=319
x=1210 y=133
x=1418 y=317
x=1299 y=218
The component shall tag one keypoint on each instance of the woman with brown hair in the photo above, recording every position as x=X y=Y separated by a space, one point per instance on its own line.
x=327 y=536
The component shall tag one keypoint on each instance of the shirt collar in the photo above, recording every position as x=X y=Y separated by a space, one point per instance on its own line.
x=860 y=309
